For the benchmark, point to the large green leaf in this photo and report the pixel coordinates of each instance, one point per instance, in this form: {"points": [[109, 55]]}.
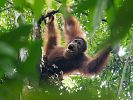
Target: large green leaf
{"points": [[1, 73], [37, 8], [98, 14], [89, 5], [11, 89], [17, 38], [7, 50], [2, 3], [10, 43], [35, 5], [6, 64], [30, 67], [19, 4], [111, 11], [63, 8], [122, 21], [85, 5]]}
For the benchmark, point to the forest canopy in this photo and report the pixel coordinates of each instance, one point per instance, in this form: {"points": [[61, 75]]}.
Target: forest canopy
{"points": [[105, 22]]}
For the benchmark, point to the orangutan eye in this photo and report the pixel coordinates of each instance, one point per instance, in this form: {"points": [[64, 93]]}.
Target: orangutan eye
{"points": [[76, 41]]}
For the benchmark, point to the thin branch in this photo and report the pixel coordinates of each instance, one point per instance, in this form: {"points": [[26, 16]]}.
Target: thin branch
{"points": [[104, 20], [42, 18], [51, 13], [10, 2], [124, 69], [6, 9]]}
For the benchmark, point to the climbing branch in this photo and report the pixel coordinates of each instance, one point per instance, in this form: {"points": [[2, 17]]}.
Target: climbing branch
{"points": [[43, 17]]}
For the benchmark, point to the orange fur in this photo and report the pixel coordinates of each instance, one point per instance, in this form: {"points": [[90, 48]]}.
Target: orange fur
{"points": [[52, 38], [72, 29], [82, 63]]}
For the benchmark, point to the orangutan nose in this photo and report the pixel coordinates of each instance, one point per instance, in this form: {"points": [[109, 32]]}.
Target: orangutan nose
{"points": [[71, 47]]}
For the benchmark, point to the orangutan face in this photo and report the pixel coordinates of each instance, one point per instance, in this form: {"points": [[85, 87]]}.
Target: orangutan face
{"points": [[76, 47]]}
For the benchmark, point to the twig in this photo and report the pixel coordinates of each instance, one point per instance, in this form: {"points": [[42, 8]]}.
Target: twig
{"points": [[10, 2], [6, 9], [104, 20], [124, 69], [42, 18]]}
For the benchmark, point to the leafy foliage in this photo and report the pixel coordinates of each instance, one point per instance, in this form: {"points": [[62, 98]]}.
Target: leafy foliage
{"points": [[104, 22]]}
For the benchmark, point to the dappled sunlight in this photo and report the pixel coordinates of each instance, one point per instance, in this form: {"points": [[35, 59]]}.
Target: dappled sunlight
{"points": [[122, 52]]}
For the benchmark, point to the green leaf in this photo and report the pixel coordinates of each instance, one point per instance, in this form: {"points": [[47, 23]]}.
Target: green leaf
{"points": [[29, 68], [63, 8], [85, 5], [37, 7], [19, 4], [7, 50], [122, 21], [55, 4], [89, 5], [17, 38], [7, 66], [111, 11], [2, 3], [98, 14], [1, 73], [11, 89], [118, 2]]}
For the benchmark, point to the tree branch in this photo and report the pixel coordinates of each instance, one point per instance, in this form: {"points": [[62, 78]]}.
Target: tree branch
{"points": [[10, 2], [6, 9], [42, 18]]}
